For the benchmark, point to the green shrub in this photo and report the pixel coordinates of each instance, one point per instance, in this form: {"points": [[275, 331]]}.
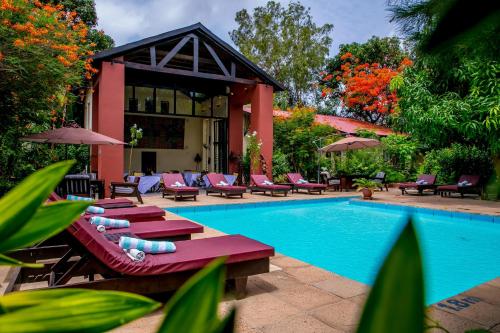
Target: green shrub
{"points": [[449, 163], [280, 166]]}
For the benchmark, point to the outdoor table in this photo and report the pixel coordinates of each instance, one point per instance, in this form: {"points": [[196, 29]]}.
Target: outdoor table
{"points": [[190, 177], [229, 178], [146, 183]]}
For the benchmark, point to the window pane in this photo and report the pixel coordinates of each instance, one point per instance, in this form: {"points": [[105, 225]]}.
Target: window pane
{"points": [[220, 106], [184, 103], [202, 104], [144, 97], [130, 102], [164, 101]]}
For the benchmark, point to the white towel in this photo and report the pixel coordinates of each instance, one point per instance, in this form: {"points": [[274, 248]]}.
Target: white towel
{"points": [[135, 255], [221, 183]]}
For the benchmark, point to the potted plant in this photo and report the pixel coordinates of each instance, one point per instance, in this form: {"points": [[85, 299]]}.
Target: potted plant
{"points": [[366, 187]]}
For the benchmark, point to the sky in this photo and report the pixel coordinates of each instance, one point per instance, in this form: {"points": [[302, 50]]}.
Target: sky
{"points": [[130, 20]]}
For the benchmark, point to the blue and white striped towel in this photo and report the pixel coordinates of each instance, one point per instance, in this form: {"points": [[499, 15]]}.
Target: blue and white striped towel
{"points": [[77, 198], [135, 254], [128, 243], [95, 210], [110, 223]]}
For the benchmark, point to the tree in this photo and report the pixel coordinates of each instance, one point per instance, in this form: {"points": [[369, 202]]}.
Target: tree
{"points": [[43, 54], [384, 51], [363, 88], [287, 44]]}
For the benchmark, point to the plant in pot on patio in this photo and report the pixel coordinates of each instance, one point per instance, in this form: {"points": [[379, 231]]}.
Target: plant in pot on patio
{"points": [[366, 187]]}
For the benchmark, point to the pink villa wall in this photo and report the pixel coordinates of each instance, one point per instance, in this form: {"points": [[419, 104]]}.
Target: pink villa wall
{"points": [[108, 119]]}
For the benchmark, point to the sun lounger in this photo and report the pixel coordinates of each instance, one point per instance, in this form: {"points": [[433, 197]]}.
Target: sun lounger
{"points": [[174, 184], [424, 182], [92, 254], [299, 183], [467, 184], [104, 203], [260, 183], [216, 186], [133, 214]]}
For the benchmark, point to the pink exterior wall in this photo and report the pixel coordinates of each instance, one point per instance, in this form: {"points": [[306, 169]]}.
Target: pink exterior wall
{"points": [[108, 119], [261, 120]]}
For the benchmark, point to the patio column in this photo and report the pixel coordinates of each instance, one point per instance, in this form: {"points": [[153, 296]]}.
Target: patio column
{"points": [[261, 120], [110, 121]]}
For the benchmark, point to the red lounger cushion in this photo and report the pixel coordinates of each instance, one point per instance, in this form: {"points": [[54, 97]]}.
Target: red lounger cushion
{"points": [[453, 188], [295, 177], [160, 228], [134, 214], [169, 179], [258, 181], [190, 255], [114, 203], [430, 179], [216, 178]]}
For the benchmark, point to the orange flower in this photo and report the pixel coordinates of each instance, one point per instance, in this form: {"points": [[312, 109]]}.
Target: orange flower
{"points": [[1, 56], [19, 43]]}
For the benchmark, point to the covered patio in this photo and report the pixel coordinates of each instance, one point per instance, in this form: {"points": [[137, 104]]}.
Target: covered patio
{"points": [[186, 89]]}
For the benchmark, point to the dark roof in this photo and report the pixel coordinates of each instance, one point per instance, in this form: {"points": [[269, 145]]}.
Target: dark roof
{"points": [[199, 29]]}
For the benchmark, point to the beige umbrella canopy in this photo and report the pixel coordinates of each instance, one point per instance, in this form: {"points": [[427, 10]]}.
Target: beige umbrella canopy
{"points": [[350, 143], [72, 135]]}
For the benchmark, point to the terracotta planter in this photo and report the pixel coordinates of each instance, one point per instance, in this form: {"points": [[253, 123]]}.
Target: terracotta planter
{"points": [[367, 193]]}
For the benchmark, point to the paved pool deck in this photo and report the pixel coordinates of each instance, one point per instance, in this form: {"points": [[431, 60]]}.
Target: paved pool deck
{"points": [[297, 297]]}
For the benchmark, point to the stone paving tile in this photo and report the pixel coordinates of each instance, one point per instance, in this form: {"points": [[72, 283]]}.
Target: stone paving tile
{"points": [[287, 262], [301, 323], [342, 287], [449, 321], [360, 299], [305, 297], [277, 280], [494, 282], [481, 312], [486, 293], [343, 315], [264, 309], [309, 274]]}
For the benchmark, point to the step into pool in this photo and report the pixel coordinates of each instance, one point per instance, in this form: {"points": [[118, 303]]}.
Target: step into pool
{"points": [[352, 237]]}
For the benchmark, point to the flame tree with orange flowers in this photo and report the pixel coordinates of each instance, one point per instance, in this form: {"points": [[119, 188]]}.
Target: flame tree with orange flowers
{"points": [[363, 88], [44, 55]]}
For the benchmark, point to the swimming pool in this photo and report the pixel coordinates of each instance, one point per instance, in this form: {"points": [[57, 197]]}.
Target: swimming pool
{"points": [[352, 237]]}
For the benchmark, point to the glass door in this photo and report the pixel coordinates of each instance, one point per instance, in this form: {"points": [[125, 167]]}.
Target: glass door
{"points": [[220, 145]]}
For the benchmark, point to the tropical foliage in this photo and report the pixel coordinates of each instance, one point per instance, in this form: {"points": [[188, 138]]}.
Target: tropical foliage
{"points": [[285, 42]]}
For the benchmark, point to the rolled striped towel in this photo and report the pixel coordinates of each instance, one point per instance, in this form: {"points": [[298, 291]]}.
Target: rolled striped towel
{"points": [[101, 228], [77, 198], [95, 210], [128, 243], [135, 255], [109, 223]]}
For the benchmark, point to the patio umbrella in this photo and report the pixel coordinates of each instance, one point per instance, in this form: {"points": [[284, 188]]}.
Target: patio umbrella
{"points": [[72, 135], [350, 143]]}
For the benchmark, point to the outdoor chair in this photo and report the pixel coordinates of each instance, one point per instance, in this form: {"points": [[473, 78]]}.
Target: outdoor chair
{"points": [[467, 184], [331, 182], [299, 183], [107, 267], [126, 189], [174, 184], [380, 179], [260, 183], [75, 185], [424, 182], [217, 181]]}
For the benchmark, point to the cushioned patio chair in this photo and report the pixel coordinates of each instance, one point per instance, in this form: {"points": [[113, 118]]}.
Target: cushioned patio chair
{"points": [[299, 183], [260, 183], [380, 180], [76, 185], [107, 267], [126, 189], [104, 203], [424, 182], [174, 184], [467, 184], [217, 181]]}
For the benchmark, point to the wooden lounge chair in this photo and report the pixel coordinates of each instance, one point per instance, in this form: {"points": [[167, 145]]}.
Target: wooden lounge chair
{"points": [[170, 187], [104, 203], [126, 189], [380, 180], [424, 182], [107, 267], [299, 183], [260, 183], [216, 186], [76, 185], [467, 184]]}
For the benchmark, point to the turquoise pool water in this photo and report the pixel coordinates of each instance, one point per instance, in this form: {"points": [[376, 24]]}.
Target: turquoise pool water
{"points": [[351, 238]]}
